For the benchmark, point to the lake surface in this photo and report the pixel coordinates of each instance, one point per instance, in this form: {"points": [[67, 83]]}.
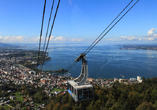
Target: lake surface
{"points": [[105, 61]]}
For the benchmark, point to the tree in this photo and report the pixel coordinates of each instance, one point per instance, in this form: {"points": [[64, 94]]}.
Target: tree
{"points": [[122, 101], [90, 106], [133, 100], [143, 79], [65, 107], [56, 106], [154, 80], [147, 95], [97, 105], [75, 107], [145, 106], [81, 107], [65, 98], [71, 101], [154, 94], [116, 106], [50, 105], [102, 95], [148, 80], [2, 108], [40, 97], [109, 103], [155, 105]]}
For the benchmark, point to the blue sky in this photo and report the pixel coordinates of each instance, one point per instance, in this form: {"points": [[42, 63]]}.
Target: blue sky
{"points": [[78, 21]]}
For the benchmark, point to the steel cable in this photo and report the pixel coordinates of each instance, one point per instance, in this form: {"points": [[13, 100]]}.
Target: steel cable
{"points": [[47, 31], [48, 24], [51, 31], [113, 25], [110, 28], [41, 31]]}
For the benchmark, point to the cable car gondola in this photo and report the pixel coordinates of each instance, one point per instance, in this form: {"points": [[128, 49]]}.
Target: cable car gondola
{"points": [[78, 88]]}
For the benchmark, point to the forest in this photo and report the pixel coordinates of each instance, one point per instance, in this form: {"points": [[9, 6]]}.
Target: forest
{"points": [[142, 96]]}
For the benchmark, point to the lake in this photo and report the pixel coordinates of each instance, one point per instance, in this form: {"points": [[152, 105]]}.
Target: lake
{"points": [[105, 61]]}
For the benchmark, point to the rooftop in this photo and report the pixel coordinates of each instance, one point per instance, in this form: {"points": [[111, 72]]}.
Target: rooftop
{"points": [[76, 86]]}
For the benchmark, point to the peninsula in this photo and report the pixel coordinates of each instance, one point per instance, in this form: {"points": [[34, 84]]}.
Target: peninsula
{"points": [[137, 47]]}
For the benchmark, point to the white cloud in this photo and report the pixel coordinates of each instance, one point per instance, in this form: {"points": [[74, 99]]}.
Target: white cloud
{"points": [[146, 39], [12, 39], [155, 35], [22, 39], [150, 39], [133, 38], [151, 36], [60, 38], [151, 31], [75, 39], [110, 39], [129, 38], [123, 36], [34, 39], [52, 38]]}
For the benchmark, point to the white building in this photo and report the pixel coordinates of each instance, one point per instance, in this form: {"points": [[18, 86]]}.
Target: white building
{"points": [[115, 79], [132, 79], [121, 80], [139, 79], [32, 72], [12, 97]]}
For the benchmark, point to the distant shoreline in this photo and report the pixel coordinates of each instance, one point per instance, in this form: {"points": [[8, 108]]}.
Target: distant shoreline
{"points": [[137, 47]]}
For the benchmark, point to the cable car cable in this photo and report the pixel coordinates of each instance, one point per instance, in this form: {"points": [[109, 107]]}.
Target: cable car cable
{"points": [[71, 65], [51, 30], [113, 25], [47, 31], [48, 25], [108, 26], [41, 31]]}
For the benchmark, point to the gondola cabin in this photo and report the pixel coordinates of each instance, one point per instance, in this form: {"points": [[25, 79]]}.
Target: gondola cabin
{"points": [[78, 88], [80, 92]]}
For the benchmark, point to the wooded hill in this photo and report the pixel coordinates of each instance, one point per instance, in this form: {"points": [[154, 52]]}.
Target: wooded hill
{"points": [[119, 97]]}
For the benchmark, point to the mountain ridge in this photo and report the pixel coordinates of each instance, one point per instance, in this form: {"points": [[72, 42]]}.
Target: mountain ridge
{"points": [[7, 45]]}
